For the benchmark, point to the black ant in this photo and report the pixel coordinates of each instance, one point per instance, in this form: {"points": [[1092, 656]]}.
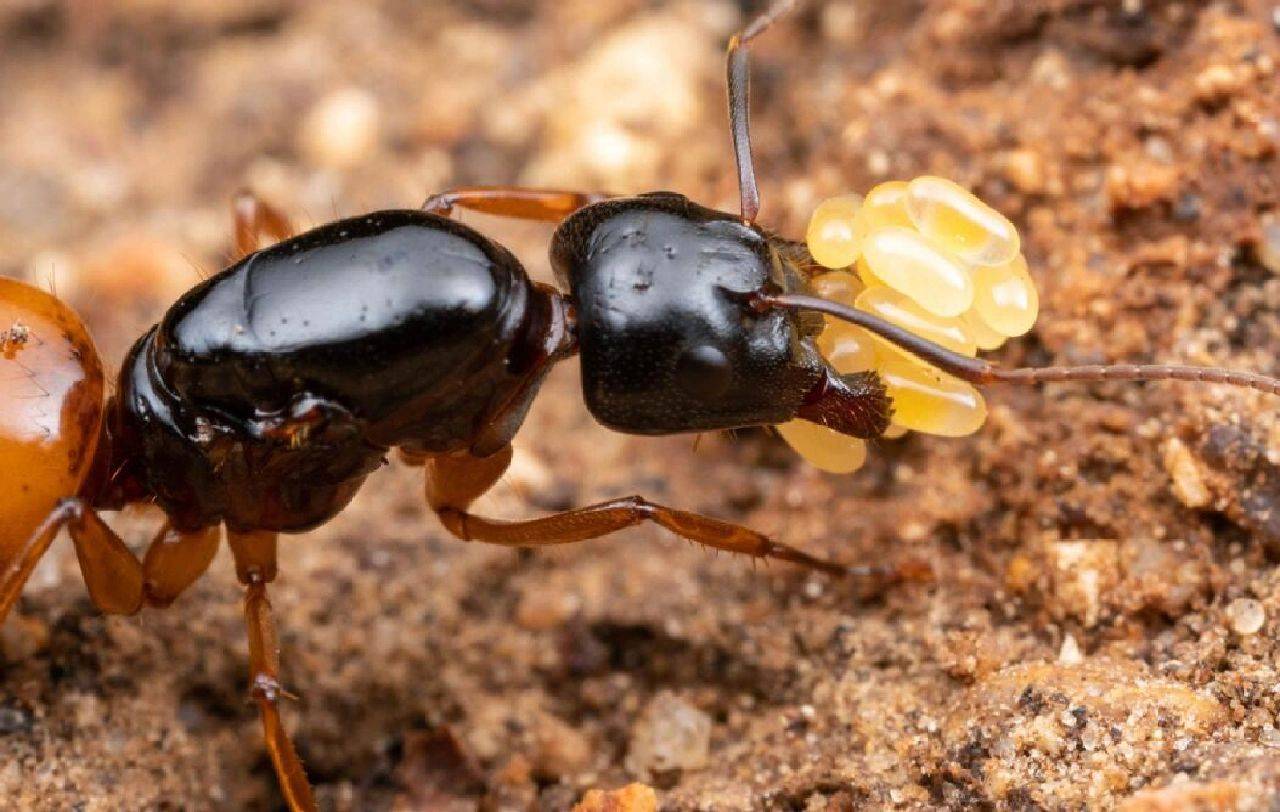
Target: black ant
{"points": [[267, 393]]}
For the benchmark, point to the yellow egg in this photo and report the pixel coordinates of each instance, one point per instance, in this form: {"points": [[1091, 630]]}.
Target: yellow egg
{"points": [[846, 347], [866, 276], [832, 237], [884, 206], [837, 286], [893, 307], [823, 448], [985, 337], [895, 431], [961, 224], [909, 263], [930, 401], [1005, 297]]}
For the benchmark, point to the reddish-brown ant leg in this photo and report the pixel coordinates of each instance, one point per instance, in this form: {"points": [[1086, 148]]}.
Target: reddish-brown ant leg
{"points": [[253, 218], [118, 583], [454, 481], [255, 556], [174, 561], [547, 205]]}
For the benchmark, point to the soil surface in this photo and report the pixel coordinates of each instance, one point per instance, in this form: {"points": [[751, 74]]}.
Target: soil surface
{"points": [[1102, 630]]}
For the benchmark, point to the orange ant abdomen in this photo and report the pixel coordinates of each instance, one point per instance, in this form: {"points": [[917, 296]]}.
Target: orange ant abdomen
{"points": [[51, 407]]}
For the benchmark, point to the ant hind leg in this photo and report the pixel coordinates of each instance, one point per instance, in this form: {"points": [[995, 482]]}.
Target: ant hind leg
{"points": [[118, 583]]}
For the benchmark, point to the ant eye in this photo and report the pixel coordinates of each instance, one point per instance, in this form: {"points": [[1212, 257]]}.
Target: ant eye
{"points": [[704, 372]]}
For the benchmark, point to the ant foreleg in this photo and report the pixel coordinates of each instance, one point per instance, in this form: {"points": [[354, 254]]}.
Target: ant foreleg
{"points": [[545, 205], [455, 480], [253, 218], [255, 557]]}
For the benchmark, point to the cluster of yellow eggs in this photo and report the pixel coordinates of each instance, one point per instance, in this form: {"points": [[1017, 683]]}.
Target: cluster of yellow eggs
{"points": [[931, 258]]}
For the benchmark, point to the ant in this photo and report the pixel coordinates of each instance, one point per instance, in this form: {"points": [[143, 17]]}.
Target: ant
{"points": [[268, 392]]}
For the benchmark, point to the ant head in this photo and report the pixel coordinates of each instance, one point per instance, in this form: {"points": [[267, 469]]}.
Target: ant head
{"points": [[670, 338]]}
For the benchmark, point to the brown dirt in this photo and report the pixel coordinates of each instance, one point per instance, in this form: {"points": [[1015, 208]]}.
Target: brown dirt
{"points": [[1103, 551]]}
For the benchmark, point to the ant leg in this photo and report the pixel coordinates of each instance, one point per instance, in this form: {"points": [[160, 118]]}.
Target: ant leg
{"points": [[254, 217], [547, 205], [118, 583], [454, 481], [739, 75], [255, 556], [175, 559], [19, 571]]}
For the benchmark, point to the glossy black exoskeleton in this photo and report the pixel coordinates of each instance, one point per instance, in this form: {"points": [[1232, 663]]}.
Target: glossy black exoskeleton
{"points": [[669, 340], [267, 393]]}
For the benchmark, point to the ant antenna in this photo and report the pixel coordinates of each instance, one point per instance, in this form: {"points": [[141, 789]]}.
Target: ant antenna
{"points": [[979, 371], [739, 76]]}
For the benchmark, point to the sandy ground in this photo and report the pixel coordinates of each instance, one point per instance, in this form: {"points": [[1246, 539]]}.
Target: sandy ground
{"points": [[1102, 631]]}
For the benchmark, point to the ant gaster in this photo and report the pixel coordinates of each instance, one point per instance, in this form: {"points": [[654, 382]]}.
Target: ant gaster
{"points": [[267, 394]]}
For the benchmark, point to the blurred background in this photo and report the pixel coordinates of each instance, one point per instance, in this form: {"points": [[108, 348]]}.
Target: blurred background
{"points": [[1102, 630]]}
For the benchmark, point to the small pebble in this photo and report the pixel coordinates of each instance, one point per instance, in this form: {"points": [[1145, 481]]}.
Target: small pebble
{"points": [[1269, 243], [1025, 169], [541, 609], [671, 734], [631, 798], [1246, 616], [1070, 654], [559, 749], [1188, 485], [341, 130]]}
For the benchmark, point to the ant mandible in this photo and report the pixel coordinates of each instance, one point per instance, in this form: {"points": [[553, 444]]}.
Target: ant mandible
{"points": [[267, 393]]}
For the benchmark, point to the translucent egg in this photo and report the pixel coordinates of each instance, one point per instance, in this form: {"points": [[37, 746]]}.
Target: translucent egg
{"points": [[985, 337], [930, 401], [866, 276], [1005, 297], [884, 206], [837, 286], [846, 347], [832, 236], [823, 448], [960, 223], [895, 431], [909, 263], [893, 307]]}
